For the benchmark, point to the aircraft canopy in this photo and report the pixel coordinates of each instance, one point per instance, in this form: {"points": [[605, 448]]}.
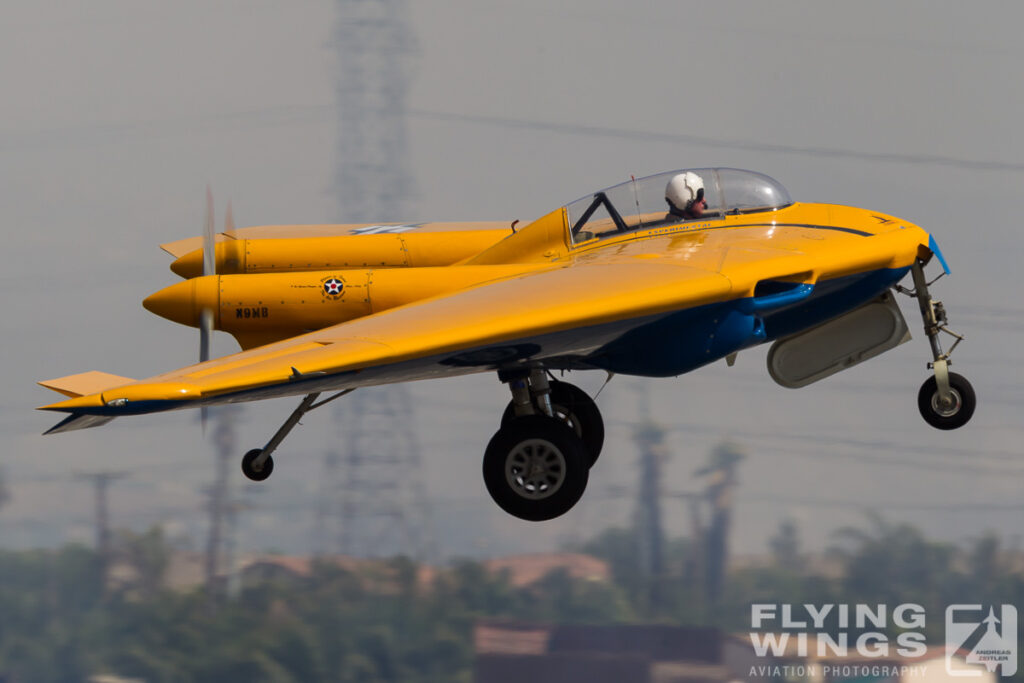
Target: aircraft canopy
{"points": [[640, 204]]}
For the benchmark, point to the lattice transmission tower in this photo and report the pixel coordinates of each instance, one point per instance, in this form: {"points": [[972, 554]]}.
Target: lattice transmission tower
{"points": [[372, 500], [374, 503], [375, 48]]}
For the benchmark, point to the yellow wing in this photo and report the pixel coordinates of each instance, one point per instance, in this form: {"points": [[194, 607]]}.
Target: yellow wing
{"points": [[589, 304]]}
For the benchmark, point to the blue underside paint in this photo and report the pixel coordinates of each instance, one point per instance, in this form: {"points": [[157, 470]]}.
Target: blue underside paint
{"points": [[831, 299], [681, 341], [688, 339]]}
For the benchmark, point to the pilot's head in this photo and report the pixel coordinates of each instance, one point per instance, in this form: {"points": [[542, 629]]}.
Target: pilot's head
{"points": [[685, 195]]}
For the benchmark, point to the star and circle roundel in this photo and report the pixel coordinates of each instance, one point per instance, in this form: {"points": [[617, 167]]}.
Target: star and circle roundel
{"points": [[333, 287]]}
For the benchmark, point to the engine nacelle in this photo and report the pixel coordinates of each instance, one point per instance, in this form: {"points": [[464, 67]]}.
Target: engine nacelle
{"points": [[263, 308], [376, 250]]}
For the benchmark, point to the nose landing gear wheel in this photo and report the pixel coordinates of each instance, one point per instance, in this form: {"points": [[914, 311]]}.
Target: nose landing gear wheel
{"points": [[577, 410], [954, 412], [946, 400], [535, 468], [250, 471]]}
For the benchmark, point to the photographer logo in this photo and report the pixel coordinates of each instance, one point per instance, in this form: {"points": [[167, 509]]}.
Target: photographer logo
{"points": [[989, 640]]}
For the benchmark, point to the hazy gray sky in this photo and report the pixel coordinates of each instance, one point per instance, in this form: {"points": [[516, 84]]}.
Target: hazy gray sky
{"points": [[116, 115]]}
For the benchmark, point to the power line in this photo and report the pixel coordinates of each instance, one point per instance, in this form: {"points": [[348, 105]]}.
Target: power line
{"points": [[726, 143], [867, 450], [117, 133], [953, 507]]}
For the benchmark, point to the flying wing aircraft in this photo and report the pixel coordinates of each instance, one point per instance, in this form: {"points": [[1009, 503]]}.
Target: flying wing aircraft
{"points": [[654, 277]]}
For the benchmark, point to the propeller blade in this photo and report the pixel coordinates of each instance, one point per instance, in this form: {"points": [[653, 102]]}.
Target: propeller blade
{"points": [[205, 334], [209, 250], [206, 315]]}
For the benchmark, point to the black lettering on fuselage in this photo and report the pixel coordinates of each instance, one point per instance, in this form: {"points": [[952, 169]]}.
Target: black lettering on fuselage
{"points": [[252, 312]]}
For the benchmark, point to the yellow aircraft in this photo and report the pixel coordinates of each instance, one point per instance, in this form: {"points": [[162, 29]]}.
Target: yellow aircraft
{"points": [[655, 277]]}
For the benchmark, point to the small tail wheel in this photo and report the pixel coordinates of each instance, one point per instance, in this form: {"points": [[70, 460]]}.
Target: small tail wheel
{"points": [[577, 410], [952, 413], [535, 468], [250, 471]]}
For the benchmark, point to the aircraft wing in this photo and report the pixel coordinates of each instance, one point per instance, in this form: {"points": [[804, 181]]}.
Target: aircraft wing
{"points": [[459, 333], [555, 310]]}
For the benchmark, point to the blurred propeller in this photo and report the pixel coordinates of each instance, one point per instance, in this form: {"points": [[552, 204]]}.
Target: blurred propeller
{"points": [[209, 252], [209, 268], [206, 315]]}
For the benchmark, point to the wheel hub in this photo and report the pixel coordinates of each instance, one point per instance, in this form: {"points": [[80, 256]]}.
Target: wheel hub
{"points": [[948, 407], [565, 415], [535, 469]]}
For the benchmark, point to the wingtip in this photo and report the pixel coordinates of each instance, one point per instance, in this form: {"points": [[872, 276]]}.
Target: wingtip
{"points": [[75, 404], [139, 394], [78, 421]]}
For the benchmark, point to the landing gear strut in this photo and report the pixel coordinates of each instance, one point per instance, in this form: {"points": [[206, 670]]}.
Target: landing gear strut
{"points": [[257, 464], [576, 409], [537, 465], [946, 400]]}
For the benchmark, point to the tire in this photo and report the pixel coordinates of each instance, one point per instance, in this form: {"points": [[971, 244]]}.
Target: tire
{"points": [[535, 468], [576, 409], [265, 471], [954, 416]]}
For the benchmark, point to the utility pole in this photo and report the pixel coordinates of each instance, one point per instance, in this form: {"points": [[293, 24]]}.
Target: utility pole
{"points": [[649, 438], [694, 568], [219, 495], [5, 494], [232, 509], [101, 482], [650, 441], [720, 473]]}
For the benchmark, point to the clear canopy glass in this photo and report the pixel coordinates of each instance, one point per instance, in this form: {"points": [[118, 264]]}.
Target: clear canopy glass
{"points": [[641, 204]]}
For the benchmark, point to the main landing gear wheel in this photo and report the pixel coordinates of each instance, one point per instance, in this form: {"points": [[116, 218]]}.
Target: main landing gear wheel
{"points": [[535, 468], [250, 471], [952, 413], [577, 410]]}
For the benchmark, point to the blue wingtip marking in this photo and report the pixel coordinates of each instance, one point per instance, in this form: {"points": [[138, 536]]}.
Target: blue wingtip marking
{"points": [[934, 246]]}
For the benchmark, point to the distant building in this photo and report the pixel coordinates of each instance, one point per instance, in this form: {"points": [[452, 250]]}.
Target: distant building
{"points": [[508, 652]]}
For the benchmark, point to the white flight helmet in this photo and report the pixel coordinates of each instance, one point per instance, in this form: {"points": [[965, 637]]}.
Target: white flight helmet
{"points": [[682, 190]]}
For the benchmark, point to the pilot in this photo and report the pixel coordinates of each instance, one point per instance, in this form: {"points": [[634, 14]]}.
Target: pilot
{"points": [[685, 195]]}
